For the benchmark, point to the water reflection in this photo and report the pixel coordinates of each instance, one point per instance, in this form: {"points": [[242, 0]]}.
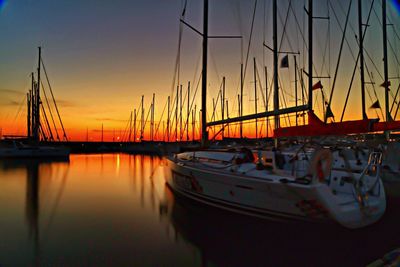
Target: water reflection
{"points": [[100, 210], [115, 210], [32, 205], [226, 239], [38, 171]]}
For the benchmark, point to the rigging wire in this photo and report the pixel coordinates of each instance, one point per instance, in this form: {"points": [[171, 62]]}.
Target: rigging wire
{"points": [[54, 100], [51, 113], [249, 43], [176, 78]]}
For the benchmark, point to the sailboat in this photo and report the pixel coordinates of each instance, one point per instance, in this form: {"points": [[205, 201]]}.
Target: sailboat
{"points": [[31, 148], [307, 181]]}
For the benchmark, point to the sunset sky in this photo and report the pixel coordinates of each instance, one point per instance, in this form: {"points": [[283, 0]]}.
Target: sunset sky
{"points": [[101, 56]]}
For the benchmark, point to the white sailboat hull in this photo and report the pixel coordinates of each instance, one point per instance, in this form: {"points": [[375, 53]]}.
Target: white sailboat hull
{"points": [[257, 194]]}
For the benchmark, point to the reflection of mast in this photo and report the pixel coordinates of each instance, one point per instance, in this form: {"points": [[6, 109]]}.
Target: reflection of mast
{"points": [[142, 180], [152, 170], [32, 206]]}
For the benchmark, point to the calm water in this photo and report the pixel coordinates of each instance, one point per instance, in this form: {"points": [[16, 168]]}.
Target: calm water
{"points": [[115, 210]]}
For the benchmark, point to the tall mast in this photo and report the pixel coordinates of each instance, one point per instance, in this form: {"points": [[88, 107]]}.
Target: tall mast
{"points": [[130, 128], [163, 130], [204, 134], [275, 48], [176, 113], [37, 101], [28, 117], [385, 61], [188, 112], [241, 100], [214, 111], [193, 121], [168, 113], [227, 115], [30, 106], [134, 125], [152, 118], [295, 84], [33, 108], [361, 46], [255, 93], [102, 133], [266, 98], [142, 121], [310, 54], [223, 105], [239, 115], [180, 115]]}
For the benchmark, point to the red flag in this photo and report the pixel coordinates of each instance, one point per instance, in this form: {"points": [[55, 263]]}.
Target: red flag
{"points": [[318, 85]]}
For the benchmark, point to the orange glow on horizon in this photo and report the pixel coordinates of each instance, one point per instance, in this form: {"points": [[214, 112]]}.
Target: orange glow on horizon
{"points": [[118, 132]]}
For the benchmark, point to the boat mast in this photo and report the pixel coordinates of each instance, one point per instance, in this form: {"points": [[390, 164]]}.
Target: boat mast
{"points": [[204, 134], [223, 106], [28, 117], [102, 132], [255, 93], [266, 98], [176, 113], [130, 128], [275, 51], [188, 112], [227, 115], [241, 100], [385, 61], [213, 116], [168, 113], [142, 121], [361, 46], [134, 125], [37, 101], [33, 104], [193, 123], [310, 55], [239, 115], [30, 106], [152, 118], [180, 114], [295, 85]]}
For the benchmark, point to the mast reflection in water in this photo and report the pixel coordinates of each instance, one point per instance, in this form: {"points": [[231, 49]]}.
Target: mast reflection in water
{"points": [[115, 210]]}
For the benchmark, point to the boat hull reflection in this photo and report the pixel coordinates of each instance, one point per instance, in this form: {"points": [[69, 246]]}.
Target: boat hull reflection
{"points": [[229, 239]]}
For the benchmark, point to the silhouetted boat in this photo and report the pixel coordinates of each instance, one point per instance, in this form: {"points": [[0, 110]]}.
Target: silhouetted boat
{"points": [[16, 149], [36, 130]]}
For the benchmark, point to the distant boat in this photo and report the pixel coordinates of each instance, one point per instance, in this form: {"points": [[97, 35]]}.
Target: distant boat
{"points": [[19, 150]]}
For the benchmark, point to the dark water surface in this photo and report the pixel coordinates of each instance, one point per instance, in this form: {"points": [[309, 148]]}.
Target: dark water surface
{"points": [[115, 210]]}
